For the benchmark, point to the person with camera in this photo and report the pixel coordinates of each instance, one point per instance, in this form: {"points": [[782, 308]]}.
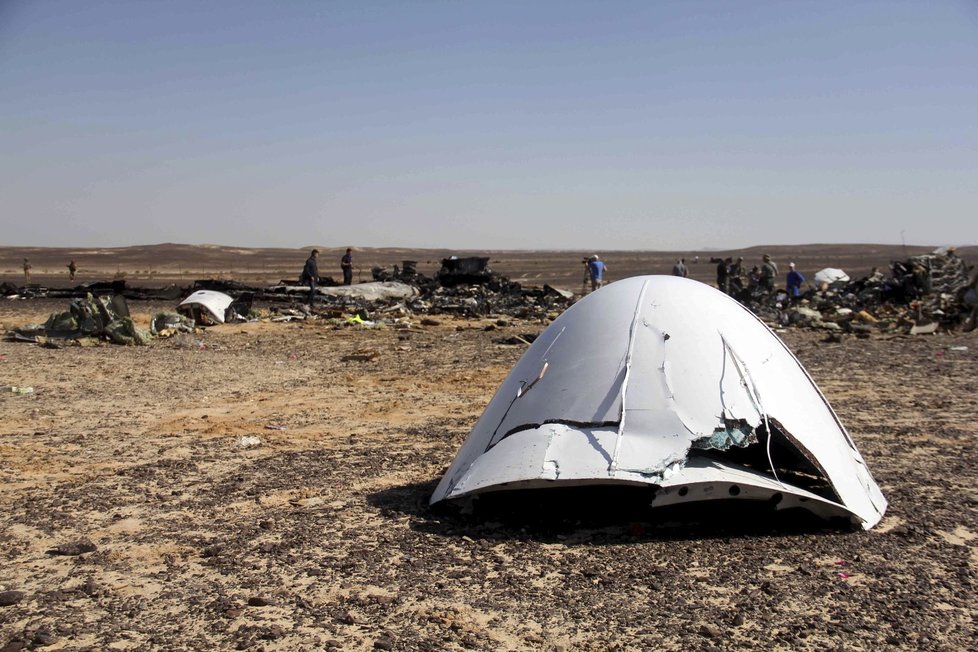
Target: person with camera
{"points": [[595, 271]]}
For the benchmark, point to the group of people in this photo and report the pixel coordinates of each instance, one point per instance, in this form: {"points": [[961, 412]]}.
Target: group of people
{"points": [[27, 271], [731, 278], [310, 271], [730, 275], [72, 268]]}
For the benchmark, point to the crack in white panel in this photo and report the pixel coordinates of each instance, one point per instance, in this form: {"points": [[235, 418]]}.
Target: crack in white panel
{"points": [[628, 369]]}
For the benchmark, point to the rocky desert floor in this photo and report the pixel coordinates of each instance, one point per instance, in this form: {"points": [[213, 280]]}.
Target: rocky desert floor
{"points": [[135, 516]]}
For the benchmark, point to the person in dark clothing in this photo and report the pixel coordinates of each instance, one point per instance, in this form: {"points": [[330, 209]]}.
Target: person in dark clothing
{"points": [[723, 274], [310, 275], [769, 274], [346, 263], [969, 299], [72, 268], [735, 277]]}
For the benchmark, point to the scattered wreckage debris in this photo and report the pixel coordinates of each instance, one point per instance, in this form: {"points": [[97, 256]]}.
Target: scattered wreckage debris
{"points": [[464, 287], [166, 324], [666, 382], [923, 290], [406, 273], [106, 317], [95, 288], [472, 270], [468, 287], [86, 321], [923, 295]]}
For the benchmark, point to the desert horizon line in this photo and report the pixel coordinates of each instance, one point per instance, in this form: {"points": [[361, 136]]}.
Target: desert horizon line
{"points": [[306, 247]]}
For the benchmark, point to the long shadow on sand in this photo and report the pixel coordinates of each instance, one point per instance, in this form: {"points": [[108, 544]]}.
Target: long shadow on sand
{"points": [[593, 515]]}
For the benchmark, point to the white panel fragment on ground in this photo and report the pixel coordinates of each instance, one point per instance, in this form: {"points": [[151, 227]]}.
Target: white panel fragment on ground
{"points": [[831, 275], [214, 303], [665, 381], [373, 291]]}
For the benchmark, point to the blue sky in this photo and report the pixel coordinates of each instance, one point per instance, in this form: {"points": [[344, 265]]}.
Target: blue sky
{"points": [[488, 125]]}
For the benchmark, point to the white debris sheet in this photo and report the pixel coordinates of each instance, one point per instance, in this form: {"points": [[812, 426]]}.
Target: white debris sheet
{"points": [[666, 381], [214, 303]]}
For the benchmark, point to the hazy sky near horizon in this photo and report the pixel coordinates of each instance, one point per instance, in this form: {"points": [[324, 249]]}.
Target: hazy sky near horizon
{"points": [[665, 125]]}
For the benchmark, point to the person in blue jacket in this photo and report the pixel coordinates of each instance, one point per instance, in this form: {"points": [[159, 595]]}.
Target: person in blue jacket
{"points": [[596, 269], [794, 281]]}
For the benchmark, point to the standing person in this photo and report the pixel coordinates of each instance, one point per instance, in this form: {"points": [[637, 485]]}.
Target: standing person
{"points": [[723, 274], [769, 272], [969, 299], [793, 282], [72, 268], [596, 269], [27, 272], [679, 269], [346, 263], [310, 275], [735, 276]]}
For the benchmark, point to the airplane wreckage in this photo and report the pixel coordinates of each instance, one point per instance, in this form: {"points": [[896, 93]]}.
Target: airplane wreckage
{"points": [[664, 381]]}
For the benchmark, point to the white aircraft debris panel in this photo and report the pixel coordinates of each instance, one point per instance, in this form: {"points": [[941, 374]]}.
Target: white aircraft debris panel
{"points": [[214, 303], [831, 275], [665, 381]]}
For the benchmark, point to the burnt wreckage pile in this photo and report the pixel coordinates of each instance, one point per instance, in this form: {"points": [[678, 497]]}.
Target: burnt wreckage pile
{"points": [[468, 287], [922, 294], [463, 286]]}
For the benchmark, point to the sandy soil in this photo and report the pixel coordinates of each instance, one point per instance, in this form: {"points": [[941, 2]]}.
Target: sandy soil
{"points": [[320, 537]]}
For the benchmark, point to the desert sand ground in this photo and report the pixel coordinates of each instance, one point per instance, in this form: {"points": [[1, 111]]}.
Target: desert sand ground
{"points": [[321, 537]]}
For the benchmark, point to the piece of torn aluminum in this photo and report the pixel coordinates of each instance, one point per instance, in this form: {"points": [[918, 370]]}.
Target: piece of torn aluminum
{"points": [[373, 291], [831, 275], [213, 302], [666, 381]]}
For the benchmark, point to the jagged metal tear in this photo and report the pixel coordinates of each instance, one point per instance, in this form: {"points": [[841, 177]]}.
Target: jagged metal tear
{"points": [[641, 375]]}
